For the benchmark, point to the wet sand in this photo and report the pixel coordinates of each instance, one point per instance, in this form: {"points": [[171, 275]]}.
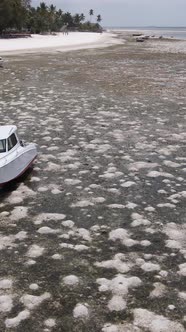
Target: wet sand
{"points": [[93, 238]]}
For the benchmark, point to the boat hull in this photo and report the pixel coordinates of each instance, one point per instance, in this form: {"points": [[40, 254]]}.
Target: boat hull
{"points": [[17, 166]]}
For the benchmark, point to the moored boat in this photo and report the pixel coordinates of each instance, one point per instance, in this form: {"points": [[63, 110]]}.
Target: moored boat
{"points": [[15, 157]]}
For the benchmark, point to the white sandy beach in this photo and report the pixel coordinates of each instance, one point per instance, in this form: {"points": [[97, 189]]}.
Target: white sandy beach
{"points": [[42, 43]]}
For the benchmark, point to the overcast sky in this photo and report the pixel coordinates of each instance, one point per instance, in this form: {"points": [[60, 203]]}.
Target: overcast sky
{"points": [[127, 12]]}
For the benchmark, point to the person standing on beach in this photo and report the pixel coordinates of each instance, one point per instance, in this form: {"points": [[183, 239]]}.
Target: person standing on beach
{"points": [[65, 29]]}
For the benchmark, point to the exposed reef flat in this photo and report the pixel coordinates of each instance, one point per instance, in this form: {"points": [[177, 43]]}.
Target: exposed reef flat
{"points": [[93, 239]]}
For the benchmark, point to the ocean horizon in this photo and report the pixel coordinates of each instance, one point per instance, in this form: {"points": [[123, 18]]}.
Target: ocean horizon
{"points": [[175, 32]]}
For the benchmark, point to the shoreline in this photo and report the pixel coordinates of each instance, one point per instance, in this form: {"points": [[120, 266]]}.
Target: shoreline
{"points": [[165, 33], [84, 40]]}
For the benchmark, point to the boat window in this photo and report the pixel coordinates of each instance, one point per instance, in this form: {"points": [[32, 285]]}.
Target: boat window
{"points": [[12, 141], [2, 145]]}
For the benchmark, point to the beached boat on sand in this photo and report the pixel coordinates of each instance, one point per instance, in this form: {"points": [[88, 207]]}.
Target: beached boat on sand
{"points": [[15, 157]]}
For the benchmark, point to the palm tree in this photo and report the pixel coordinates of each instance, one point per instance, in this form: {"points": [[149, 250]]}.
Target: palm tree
{"points": [[59, 13], [91, 13], [99, 19], [52, 16], [5, 15], [58, 20], [18, 13], [52, 9], [42, 18], [77, 19], [31, 19], [67, 19], [82, 17], [43, 6]]}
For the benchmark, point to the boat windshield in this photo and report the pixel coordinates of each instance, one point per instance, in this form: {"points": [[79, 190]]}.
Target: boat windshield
{"points": [[2, 145]]}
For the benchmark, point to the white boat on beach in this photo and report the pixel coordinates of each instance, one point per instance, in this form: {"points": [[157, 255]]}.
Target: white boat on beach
{"points": [[15, 157]]}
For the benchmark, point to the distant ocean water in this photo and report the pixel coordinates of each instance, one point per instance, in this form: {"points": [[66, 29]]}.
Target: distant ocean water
{"points": [[175, 32]]}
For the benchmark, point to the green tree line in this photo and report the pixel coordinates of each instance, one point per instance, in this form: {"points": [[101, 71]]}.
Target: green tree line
{"points": [[19, 15]]}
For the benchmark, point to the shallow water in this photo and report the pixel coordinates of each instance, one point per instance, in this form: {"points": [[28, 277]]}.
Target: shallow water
{"points": [[105, 201], [170, 32]]}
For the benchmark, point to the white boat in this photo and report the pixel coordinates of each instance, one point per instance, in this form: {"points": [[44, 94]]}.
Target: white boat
{"points": [[15, 157]]}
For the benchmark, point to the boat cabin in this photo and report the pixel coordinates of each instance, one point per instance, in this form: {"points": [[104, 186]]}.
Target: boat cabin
{"points": [[8, 138]]}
